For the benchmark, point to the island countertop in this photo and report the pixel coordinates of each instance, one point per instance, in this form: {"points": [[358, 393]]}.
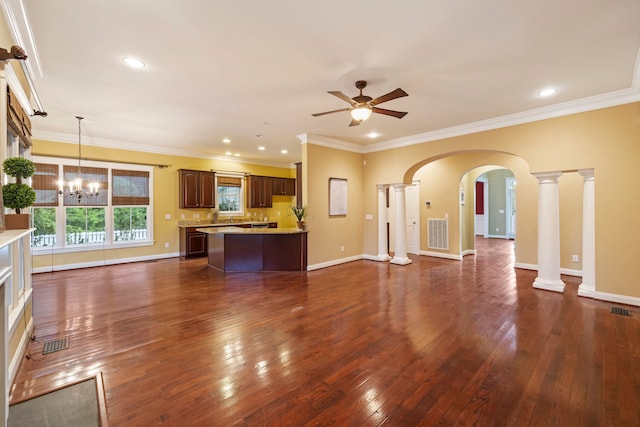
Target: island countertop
{"points": [[237, 230], [256, 249]]}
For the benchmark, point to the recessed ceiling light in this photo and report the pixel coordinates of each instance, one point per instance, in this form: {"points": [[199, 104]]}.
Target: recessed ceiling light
{"points": [[133, 62], [262, 148], [373, 134], [544, 93], [237, 154], [228, 153], [284, 151], [226, 140]]}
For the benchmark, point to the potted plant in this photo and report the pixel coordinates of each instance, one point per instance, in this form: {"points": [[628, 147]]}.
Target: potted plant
{"points": [[17, 195], [299, 213]]}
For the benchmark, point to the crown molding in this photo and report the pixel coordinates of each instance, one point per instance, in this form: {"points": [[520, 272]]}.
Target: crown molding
{"points": [[326, 141], [146, 148], [596, 102]]}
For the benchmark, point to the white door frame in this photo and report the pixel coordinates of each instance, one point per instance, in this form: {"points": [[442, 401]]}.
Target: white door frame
{"points": [[412, 201]]}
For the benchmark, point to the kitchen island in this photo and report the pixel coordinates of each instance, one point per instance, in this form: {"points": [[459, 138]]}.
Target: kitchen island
{"points": [[256, 249]]}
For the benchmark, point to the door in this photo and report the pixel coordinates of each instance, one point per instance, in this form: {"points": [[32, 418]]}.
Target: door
{"points": [[412, 199], [511, 207]]}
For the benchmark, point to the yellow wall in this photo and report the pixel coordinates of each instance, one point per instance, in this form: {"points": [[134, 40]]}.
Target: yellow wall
{"points": [[328, 234], [165, 200], [607, 140]]}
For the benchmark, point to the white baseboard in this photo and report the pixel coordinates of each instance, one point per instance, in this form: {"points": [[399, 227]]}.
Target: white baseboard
{"points": [[340, 261], [468, 252], [622, 299], [496, 236], [441, 255], [62, 267], [534, 267]]}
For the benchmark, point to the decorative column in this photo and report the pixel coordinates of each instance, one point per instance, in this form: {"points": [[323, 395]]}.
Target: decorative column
{"points": [[383, 252], [548, 233], [588, 286], [400, 226]]}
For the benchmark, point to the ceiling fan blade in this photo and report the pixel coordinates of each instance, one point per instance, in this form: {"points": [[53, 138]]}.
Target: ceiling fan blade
{"points": [[329, 112], [398, 114], [342, 96], [398, 93], [355, 122]]}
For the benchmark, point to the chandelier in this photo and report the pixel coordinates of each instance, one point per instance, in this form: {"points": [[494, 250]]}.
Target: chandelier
{"points": [[74, 188]]}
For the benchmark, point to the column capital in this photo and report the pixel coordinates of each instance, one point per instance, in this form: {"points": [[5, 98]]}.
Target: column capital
{"points": [[547, 176], [587, 174], [382, 187], [399, 187]]}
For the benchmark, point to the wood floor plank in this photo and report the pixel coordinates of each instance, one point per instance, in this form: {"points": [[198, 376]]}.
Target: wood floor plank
{"points": [[435, 342]]}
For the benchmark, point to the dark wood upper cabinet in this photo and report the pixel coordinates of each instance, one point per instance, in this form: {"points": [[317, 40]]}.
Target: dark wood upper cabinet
{"points": [[284, 186], [259, 191], [197, 189]]}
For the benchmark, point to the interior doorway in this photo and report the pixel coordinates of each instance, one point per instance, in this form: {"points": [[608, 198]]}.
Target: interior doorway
{"points": [[511, 207]]}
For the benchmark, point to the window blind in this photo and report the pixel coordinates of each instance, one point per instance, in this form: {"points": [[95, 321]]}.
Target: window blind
{"points": [[87, 174], [129, 187], [44, 182]]}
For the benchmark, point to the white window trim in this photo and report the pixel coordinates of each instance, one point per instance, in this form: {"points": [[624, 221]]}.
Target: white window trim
{"points": [[242, 193], [61, 246]]}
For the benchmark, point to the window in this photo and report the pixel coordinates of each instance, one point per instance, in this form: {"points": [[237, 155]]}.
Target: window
{"points": [[230, 191], [120, 215], [130, 200]]}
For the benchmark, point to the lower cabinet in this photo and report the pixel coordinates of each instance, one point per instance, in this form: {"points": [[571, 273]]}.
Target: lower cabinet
{"points": [[192, 243]]}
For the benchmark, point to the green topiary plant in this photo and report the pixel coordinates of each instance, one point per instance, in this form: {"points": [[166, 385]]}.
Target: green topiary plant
{"points": [[17, 195]]}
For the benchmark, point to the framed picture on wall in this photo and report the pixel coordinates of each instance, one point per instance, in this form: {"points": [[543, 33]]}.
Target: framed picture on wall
{"points": [[337, 197]]}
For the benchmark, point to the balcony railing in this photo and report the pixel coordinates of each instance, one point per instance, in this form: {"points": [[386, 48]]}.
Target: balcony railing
{"points": [[88, 237]]}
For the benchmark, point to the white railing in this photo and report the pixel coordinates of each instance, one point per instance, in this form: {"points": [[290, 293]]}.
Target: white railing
{"points": [[88, 237]]}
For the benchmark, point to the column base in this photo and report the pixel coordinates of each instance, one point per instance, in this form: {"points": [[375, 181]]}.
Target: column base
{"points": [[383, 257], [586, 291], [400, 261], [549, 285]]}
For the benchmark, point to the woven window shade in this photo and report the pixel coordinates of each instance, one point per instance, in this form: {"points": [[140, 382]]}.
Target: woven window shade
{"points": [[88, 174], [229, 181], [44, 182], [129, 187]]}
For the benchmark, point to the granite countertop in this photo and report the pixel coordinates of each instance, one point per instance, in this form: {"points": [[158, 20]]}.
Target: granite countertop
{"points": [[237, 230], [220, 223]]}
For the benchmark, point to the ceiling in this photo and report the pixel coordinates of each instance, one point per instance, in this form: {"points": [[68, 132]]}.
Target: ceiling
{"points": [[254, 72]]}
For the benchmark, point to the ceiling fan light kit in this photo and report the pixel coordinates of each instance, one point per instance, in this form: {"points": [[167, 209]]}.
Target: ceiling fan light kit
{"points": [[362, 105], [361, 113]]}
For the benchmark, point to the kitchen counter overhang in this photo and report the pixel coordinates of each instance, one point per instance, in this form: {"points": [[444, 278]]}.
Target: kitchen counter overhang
{"points": [[256, 249]]}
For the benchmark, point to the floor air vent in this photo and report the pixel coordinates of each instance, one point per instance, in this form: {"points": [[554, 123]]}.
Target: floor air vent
{"points": [[621, 311], [55, 345]]}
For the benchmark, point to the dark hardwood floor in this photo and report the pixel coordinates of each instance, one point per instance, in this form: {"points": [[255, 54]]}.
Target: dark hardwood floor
{"points": [[436, 342]]}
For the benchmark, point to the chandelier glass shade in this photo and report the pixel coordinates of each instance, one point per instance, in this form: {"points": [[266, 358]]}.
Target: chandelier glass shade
{"points": [[361, 113], [75, 187]]}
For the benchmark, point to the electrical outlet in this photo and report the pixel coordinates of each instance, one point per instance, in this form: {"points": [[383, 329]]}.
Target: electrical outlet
{"points": [[183, 216], [167, 216], [497, 229], [166, 244], [341, 248], [196, 215], [575, 258]]}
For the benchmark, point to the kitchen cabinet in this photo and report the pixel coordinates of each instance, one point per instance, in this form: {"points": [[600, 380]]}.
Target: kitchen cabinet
{"points": [[192, 243], [283, 186], [196, 189], [259, 191]]}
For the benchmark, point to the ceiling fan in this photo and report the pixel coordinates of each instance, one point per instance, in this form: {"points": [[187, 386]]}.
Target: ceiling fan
{"points": [[362, 105]]}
